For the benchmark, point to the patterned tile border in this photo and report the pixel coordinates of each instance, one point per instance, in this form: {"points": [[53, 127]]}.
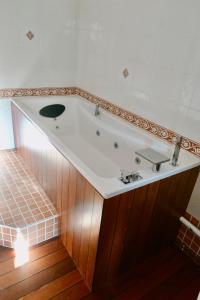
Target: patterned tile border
{"points": [[5, 93], [187, 241], [152, 128]]}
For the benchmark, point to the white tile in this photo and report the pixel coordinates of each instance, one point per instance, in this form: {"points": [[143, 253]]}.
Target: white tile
{"points": [[155, 40], [49, 58], [195, 102]]}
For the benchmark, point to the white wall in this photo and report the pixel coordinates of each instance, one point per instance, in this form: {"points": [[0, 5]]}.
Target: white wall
{"points": [[49, 59], [6, 128], [159, 42]]}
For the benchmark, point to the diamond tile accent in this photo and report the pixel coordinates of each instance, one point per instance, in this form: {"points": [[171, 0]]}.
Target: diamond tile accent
{"points": [[30, 35], [23, 203], [126, 73]]}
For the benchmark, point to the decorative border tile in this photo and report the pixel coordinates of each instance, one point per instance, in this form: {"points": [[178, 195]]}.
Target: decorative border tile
{"points": [[152, 128], [5, 93]]}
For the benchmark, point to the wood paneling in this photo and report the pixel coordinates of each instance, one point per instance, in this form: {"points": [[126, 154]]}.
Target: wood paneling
{"points": [[78, 203], [80, 221], [137, 225]]}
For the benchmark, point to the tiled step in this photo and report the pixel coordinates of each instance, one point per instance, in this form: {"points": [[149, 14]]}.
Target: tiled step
{"points": [[23, 204]]}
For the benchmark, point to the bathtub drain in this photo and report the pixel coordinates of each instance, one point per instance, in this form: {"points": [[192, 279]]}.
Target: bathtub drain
{"points": [[116, 145], [98, 133]]}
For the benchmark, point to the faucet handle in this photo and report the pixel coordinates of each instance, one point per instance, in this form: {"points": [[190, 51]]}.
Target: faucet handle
{"points": [[177, 149], [124, 175], [128, 177], [178, 139]]}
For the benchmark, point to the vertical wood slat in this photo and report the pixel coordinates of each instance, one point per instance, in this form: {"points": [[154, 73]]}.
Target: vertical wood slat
{"points": [[94, 237], [78, 203], [64, 202], [139, 226], [78, 215], [71, 203], [86, 225]]}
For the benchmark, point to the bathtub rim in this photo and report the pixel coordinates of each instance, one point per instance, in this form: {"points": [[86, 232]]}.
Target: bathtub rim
{"points": [[107, 187]]}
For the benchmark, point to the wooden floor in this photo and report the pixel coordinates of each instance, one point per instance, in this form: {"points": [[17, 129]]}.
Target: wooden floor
{"points": [[169, 276], [51, 274]]}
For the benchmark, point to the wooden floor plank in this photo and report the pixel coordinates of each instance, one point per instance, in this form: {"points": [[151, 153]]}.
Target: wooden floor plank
{"points": [[169, 288], [6, 253], [38, 280], [190, 291], [159, 274], [144, 269], [51, 274], [76, 292], [32, 268], [34, 254], [92, 296], [55, 287]]}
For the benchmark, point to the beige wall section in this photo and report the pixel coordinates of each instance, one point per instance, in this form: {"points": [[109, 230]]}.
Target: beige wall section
{"points": [[194, 205]]}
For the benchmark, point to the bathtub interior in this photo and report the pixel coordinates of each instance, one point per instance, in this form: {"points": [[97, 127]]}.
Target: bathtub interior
{"points": [[104, 143]]}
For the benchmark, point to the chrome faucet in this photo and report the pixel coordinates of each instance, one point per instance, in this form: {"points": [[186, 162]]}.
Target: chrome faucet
{"points": [[97, 110], [128, 177], [176, 151]]}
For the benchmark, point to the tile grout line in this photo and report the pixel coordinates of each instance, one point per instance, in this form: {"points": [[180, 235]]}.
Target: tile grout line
{"points": [[32, 198]]}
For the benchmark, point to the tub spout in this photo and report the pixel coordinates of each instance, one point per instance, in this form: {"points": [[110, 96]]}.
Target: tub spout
{"points": [[97, 110], [176, 151]]}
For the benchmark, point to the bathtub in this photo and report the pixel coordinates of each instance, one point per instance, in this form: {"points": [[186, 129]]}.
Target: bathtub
{"points": [[99, 147]]}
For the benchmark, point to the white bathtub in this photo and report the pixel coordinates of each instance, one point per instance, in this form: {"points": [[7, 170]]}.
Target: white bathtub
{"points": [[74, 134]]}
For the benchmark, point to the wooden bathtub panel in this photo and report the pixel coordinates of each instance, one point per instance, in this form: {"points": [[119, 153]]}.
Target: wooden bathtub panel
{"points": [[94, 237], [137, 226], [80, 222], [80, 206]]}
